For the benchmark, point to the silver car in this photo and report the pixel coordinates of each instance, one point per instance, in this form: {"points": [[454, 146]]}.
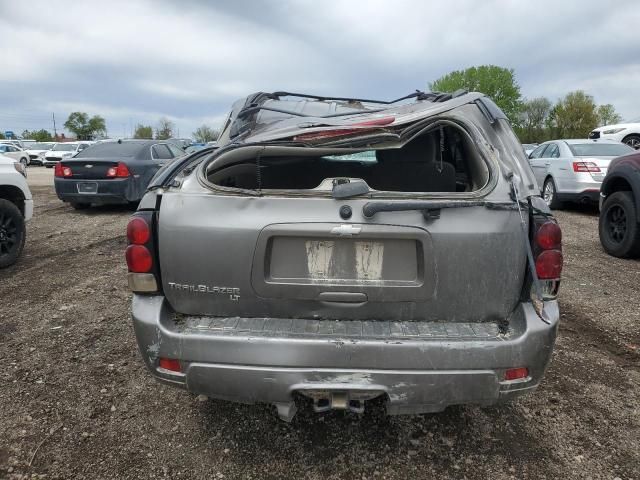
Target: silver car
{"points": [[346, 249], [573, 170]]}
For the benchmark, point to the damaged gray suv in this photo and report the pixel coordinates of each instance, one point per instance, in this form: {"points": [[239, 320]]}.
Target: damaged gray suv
{"points": [[347, 249]]}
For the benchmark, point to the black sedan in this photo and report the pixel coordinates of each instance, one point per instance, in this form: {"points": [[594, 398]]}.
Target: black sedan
{"points": [[112, 172]]}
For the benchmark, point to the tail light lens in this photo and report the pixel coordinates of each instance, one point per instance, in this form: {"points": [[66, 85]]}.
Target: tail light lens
{"points": [[549, 265], [171, 364], [586, 167], [549, 236], [138, 231], [516, 373], [62, 171], [547, 253], [119, 171], [141, 261]]}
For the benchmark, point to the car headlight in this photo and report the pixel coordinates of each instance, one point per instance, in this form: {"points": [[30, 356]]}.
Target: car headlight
{"points": [[613, 131], [20, 168]]}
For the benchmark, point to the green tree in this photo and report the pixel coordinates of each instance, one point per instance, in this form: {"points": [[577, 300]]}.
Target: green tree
{"points": [[607, 115], [143, 131], [83, 127], [496, 82], [2, 137], [574, 116], [205, 134], [533, 116], [41, 135], [164, 129]]}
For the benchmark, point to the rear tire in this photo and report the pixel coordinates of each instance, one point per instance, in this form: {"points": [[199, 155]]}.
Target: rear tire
{"points": [[618, 226], [550, 194], [24, 161], [80, 206], [12, 233], [632, 140]]}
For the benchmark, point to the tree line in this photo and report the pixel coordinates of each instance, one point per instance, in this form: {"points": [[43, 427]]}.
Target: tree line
{"points": [[85, 127], [534, 120]]}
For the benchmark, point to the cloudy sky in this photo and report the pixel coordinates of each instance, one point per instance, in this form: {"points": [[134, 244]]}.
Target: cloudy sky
{"points": [[135, 61]]}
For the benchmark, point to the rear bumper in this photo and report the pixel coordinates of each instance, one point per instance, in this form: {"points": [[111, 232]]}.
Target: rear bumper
{"points": [[418, 366], [586, 196], [112, 191]]}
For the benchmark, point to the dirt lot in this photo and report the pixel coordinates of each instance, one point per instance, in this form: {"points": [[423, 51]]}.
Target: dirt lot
{"points": [[76, 401]]}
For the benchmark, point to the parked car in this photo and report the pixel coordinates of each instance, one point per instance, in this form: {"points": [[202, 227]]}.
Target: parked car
{"points": [[12, 151], [36, 150], [63, 150], [16, 208], [619, 224], [573, 170], [369, 249], [628, 133], [111, 172]]}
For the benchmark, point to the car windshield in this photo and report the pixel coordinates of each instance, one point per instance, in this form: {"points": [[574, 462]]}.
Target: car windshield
{"points": [[38, 146], [599, 149], [112, 149], [64, 147]]}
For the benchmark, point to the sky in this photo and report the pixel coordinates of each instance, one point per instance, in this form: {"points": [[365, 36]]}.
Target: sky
{"points": [[136, 61]]}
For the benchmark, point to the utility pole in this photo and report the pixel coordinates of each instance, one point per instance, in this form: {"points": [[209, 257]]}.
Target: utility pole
{"points": [[55, 132]]}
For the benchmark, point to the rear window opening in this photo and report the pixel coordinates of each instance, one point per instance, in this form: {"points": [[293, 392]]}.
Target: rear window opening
{"points": [[442, 160]]}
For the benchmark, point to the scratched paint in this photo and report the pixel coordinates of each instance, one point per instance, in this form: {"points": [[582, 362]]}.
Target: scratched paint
{"points": [[369, 257], [319, 257]]}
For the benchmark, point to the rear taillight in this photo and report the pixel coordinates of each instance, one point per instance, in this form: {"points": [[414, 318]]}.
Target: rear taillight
{"points": [[143, 273], [549, 265], [139, 259], [62, 170], [138, 231], [346, 130], [119, 171], [547, 254], [585, 167]]}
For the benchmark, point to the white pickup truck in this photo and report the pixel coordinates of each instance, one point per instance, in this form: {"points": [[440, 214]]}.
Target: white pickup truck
{"points": [[16, 208]]}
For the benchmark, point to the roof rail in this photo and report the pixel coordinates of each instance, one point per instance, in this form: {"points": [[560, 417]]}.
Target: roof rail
{"points": [[419, 95]]}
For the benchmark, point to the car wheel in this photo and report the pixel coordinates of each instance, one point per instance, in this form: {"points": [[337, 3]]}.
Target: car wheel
{"points": [[24, 161], [550, 194], [80, 206], [618, 226], [632, 141], [12, 233]]}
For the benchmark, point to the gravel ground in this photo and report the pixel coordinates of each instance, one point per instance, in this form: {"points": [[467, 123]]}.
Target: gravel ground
{"points": [[76, 401]]}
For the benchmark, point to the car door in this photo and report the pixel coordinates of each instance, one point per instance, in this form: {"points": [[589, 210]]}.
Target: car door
{"points": [[537, 163], [550, 158]]}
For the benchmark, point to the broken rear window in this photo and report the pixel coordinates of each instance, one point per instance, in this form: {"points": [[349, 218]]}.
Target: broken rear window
{"points": [[425, 164]]}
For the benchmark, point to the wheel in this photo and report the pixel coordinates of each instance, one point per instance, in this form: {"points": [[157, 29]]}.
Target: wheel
{"points": [[632, 140], [550, 194], [12, 233], [618, 226], [80, 206], [24, 161]]}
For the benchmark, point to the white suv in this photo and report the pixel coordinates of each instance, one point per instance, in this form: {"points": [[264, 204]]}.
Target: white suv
{"points": [[16, 208]]}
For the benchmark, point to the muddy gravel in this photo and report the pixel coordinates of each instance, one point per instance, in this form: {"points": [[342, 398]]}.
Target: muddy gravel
{"points": [[76, 401]]}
